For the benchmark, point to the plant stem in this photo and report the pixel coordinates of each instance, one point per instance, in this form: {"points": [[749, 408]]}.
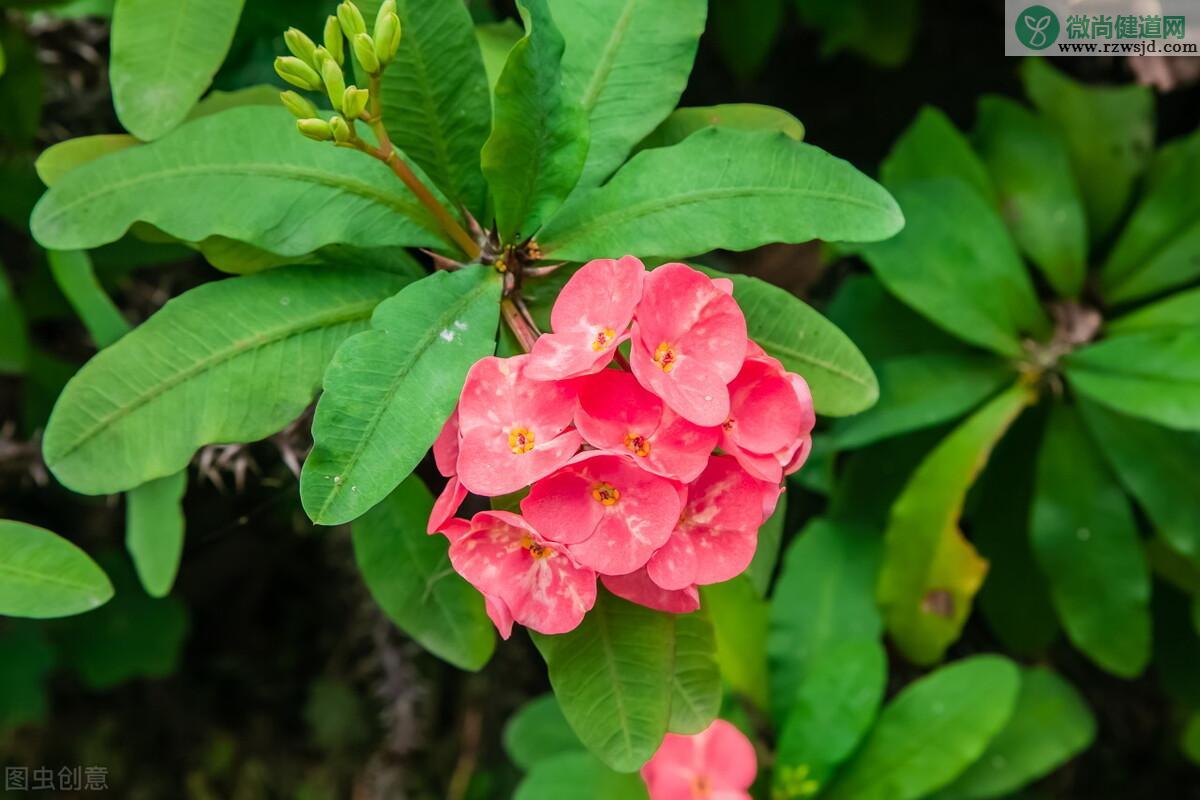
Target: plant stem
{"points": [[525, 332], [621, 361]]}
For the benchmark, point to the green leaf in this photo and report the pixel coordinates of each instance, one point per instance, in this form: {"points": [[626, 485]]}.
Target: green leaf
{"points": [[613, 46], [881, 31], [1109, 133], [930, 571], [881, 326], [245, 174], [933, 730], [43, 575], [739, 618], [824, 595], [1154, 376], [75, 276], [154, 526], [612, 678], [870, 479], [743, 38], [770, 540], [1177, 312], [1038, 197], [496, 40], [683, 122], [57, 160], [920, 391], [579, 776], [1049, 725], [410, 577], [835, 704], [217, 101], [1160, 246], [721, 189], [164, 56], [931, 147], [538, 732], [229, 361], [806, 343], [539, 139], [1086, 542], [389, 390], [26, 660], [14, 339], [435, 96], [955, 264], [1158, 467], [696, 680]]}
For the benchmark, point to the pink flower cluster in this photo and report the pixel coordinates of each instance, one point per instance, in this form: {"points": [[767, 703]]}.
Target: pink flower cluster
{"points": [[651, 474]]}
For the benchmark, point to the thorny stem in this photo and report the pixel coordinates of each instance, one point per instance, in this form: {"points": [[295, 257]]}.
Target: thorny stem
{"points": [[519, 323]]}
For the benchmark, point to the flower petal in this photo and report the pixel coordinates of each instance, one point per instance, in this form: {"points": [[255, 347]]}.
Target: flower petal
{"points": [[446, 505], [636, 587]]}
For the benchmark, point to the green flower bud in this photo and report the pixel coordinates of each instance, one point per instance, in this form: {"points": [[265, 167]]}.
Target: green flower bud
{"points": [[301, 107], [385, 8], [297, 73], [354, 102], [334, 42], [335, 82], [316, 129], [351, 19], [364, 51], [300, 45], [387, 38], [342, 132]]}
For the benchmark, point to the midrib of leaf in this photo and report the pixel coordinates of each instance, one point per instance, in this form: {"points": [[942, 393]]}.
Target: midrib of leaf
{"points": [[431, 581], [449, 315], [828, 366], [352, 313], [607, 58], [675, 678], [611, 667], [36, 577]]}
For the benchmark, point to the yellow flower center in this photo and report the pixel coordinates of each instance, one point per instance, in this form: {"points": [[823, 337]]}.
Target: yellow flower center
{"points": [[604, 337], [605, 494], [665, 357], [701, 788], [520, 440], [538, 551], [639, 445]]}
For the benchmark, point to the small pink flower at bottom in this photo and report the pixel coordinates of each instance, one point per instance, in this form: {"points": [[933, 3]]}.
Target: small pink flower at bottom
{"points": [[589, 319], [537, 580], [617, 415], [610, 514], [688, 343], [636, 587], [717, 532], [718, 763], [513, 429]]}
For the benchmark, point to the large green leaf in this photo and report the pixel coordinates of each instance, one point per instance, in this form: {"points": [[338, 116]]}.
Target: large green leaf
{"points": [[164, 56], [43, 575], [739, 619], [824, 596], [539, 139], [696, 680], [229, 361], [881, 326], [14, 339], [721, 189], [955, 263], [435, 95], [580, 776], [495, 40], [538, 731], [244, 174], [931, 147], [919, 391], [1109, 133], [930, 572], [1179, 311], [1049, 725], [389, 390], [57, 160], [1154, 376], [1086, 542], [409, 575], [154, 526], [1036, 190], [75, 276], [1160, 247], [932, 731], [683, 122], [612, 678], [626, 63]]}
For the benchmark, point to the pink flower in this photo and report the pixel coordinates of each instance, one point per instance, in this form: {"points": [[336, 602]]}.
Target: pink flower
{"points": [[612, 515], [718, 763], [513, 429], [636, 587], [522, 574], [617, 415], [589, 319], [765, 419], [717, 532], [498, 613], [689, 341]]}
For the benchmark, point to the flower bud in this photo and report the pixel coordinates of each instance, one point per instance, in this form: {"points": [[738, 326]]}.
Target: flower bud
{"points": [[354, 102], [385, 8], [316, 129], [351, 19], [297, 73], [334, 42], [364, 51], [301, 107], [342, 132], [387, 38], [335, 82], [300, 45]]}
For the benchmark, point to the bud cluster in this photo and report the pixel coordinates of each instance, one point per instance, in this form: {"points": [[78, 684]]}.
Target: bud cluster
{"points": [[650, 473]]}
